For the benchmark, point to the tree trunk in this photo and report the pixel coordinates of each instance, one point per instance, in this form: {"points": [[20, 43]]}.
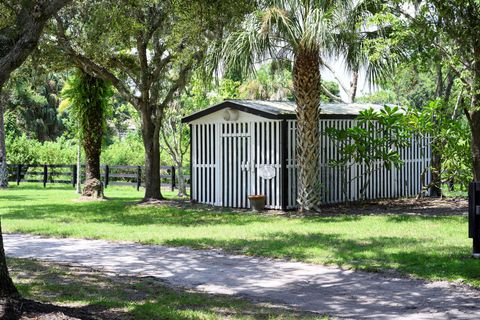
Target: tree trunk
{"points": [[151, 142], [449, 86], [182, 187], [439, 81], [354, 86], [474, 121], [7, 288], [436, 171], [92, 145], [3, 150], [436, 164], [92, 164], [474, 117], [93, 185], [79, 169], [307, 86]]}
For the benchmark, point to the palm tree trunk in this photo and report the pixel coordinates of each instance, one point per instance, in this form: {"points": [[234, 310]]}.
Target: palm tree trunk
{"points": [[93, 185], [92, 144], [92, 159], [307, 86]]}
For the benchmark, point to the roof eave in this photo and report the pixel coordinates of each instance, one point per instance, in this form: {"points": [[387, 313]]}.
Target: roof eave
{"points": [[261, 113], [239, 107]]}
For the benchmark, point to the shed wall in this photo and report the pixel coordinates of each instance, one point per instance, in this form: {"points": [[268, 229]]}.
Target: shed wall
{"points": [[343, 184], [227, 157]]}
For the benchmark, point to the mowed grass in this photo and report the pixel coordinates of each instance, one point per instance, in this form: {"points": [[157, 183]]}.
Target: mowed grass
{"points": [[115, 297], [435, 248]]}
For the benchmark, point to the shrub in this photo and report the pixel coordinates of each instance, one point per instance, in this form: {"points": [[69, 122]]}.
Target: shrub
{"points": [[61, 151], [21, 149], [30, 151], [129, 151]]}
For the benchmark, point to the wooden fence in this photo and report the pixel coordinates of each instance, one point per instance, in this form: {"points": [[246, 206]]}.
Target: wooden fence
{"points": [[110, 175]]}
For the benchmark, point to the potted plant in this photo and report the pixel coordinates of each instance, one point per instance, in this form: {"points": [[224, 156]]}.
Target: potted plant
{"points": [[257, 202]]}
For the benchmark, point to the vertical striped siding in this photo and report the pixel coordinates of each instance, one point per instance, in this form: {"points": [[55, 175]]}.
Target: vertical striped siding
{"points": [[266, 151], [204, 178], [226, 158], [404, 181], [225, 162]]}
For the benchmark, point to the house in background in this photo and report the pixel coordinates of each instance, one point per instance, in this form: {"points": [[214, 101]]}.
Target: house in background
{"points": [[246, 147]]}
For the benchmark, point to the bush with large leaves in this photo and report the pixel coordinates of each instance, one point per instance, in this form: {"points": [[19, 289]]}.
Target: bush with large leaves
{"points": [[373, 142]]}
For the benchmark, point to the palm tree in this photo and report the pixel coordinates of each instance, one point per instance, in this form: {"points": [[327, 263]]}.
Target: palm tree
{"points": [[86, 98], [304, 31], [357, 45]]}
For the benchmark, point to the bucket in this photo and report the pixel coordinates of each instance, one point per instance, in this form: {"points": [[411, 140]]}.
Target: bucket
{"points": [[257, 202]]}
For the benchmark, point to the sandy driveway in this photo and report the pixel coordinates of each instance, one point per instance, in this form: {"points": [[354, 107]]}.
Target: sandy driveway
{"points": [[326, 290]]}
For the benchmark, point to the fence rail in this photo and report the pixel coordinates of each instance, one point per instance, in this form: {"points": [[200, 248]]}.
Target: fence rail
{"points": [[120, 175]]}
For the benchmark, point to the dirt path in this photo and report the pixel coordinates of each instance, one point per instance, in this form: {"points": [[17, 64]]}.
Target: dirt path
{"points": [[326, 290]]}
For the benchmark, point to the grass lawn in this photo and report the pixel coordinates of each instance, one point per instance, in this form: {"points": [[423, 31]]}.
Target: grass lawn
{"points": [[428, 247], [115, 297]]}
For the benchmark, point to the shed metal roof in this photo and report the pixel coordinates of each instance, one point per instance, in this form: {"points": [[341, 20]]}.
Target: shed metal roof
{"points": [[284, 109]]}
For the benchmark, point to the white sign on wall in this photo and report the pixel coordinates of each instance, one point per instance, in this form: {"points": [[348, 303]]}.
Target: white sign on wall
{"points": [[266, 171]]}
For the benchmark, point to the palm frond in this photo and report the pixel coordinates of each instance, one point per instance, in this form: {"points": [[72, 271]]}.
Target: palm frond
{"points": [[64, 105], [243, 48]]}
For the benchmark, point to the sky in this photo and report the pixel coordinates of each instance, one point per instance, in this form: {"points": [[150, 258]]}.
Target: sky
{"points": [[345, 76]]}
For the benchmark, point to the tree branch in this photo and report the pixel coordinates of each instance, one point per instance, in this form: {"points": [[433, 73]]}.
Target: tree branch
{"points": [[181, 80], [169, 146], [90, 67], [27, 30], [331, 95], [145, 72], [340, 83], [159, 66]]}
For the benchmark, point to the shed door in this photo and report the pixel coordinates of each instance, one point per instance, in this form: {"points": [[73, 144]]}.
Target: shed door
{"points": [[266, 161], [236, 165]]}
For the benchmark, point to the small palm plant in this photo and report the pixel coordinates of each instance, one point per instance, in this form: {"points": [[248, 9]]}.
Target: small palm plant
{"points": [[303, 31], [86, 99]]}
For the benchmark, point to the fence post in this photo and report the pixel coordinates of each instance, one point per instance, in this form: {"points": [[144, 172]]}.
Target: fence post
{"points": [[107, 175], [173, 178], [19, 173], [74, 175], [139, 177], [45, 175]]}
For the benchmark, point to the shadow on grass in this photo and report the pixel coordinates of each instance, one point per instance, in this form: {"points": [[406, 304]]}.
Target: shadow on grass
{"points": [[410, 256], [121, 297], [12, 197], [39, 186], [123, 211], [399, 218], [16, 309]]}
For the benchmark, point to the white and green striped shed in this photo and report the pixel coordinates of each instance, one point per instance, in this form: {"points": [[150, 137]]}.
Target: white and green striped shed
{"points": [[245, 147]]}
